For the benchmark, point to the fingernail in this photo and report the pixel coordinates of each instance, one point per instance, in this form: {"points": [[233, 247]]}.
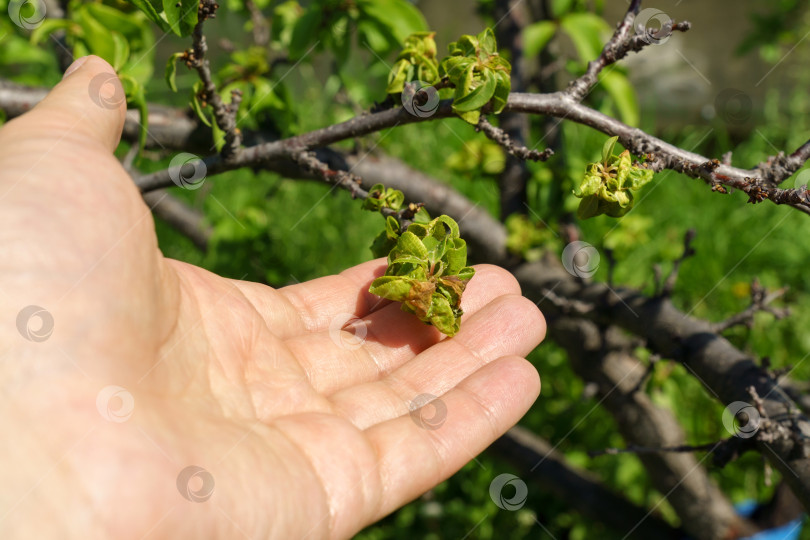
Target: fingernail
{"points": [[75, 65]]}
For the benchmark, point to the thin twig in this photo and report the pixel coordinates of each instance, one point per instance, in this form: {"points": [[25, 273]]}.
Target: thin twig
{"points": [[224, 114], [633, 449], [668, 285], [519, 151], [760, 301], [625, 39], [260, 28], [352, 183]]}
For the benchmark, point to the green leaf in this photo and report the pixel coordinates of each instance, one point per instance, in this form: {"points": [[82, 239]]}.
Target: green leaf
{"points": [[536, 36], [623, 95], [49, 26], [422, 216], [398, 76], [638, 177], [400, 16], [607, 149], [120, 51], [503, 85], [442, 316], [265, 96], [394, 199], [588, 207], [181, 18], [590, 185], [465, 46], [171, 71], [284, 17], [409, 244], [587, 31], [561, 7], [620, 207], [394, 288], [623, 165], [450, 223], [417, 61], [381, 245], [455, 67], [456, 258], [305, 30], [387, 239], [478, 95], [426, 271], [151, 12], [134, 91], [466, 273], [486, 40], [392, 227], [128, 24], [97, 36], [374, 34]]}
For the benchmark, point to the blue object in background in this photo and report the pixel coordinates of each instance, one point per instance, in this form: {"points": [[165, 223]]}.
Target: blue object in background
{"points": [[789, 531]]}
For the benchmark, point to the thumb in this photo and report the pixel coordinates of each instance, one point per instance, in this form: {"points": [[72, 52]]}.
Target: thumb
{"points": [[87, 107]]}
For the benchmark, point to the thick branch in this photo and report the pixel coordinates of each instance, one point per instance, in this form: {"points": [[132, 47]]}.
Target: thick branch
{"points": [[179, 215], [540, 464], [758, 183], [605, 358], [723, 369], [667, 156]]}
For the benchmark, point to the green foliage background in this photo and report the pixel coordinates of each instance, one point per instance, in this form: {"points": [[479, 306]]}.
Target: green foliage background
{"points": [[281, 231]]}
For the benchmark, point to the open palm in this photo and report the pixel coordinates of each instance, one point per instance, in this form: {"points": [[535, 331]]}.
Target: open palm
{"points": [[169, 401]]}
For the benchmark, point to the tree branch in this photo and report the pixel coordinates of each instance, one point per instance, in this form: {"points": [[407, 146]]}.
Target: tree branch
{"points": [[668, 285], [224, 115], [667, 156], [760, 301], [724, 370], [512, 148], [180, 216], [604, 357], [758, 183], [486, 237], [539, 463], [512, 17], [625, 39], [259, 27]]}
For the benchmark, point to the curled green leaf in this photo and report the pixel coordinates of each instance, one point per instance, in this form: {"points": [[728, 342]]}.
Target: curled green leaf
{"points": [[380, 197], [427, 272], [416, 62], [608, 185], [478, 73]]}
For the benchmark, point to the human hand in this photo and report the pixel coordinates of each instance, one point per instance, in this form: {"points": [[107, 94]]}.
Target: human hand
{"points": [[300, 430]]}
